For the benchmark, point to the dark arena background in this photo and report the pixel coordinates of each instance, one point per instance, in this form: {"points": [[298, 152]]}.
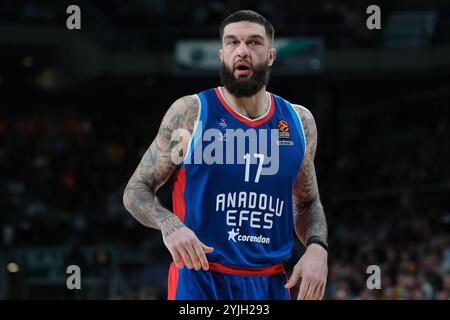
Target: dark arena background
{"points": [[78, 108]]}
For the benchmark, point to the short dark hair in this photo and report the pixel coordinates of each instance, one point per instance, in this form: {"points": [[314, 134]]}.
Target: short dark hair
{"points": [[251, 16]]}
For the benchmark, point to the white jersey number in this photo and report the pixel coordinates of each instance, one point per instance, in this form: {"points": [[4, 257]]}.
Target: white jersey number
{"points": [[260, 158]]}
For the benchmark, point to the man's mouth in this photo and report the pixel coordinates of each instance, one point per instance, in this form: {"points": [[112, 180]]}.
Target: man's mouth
{"points": [[242, 65], [242, 69]]}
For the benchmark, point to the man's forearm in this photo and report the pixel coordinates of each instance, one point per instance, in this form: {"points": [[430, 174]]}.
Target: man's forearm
{"points": [[310, 221], [158, 164], [144, 206]]}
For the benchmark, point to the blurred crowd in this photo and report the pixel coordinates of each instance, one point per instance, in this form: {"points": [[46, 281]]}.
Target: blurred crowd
{"points": [[398, 144], [411, 246], [393, 164]]}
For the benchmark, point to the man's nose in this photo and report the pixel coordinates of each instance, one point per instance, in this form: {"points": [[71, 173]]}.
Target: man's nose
{"points": [[242, 50]]}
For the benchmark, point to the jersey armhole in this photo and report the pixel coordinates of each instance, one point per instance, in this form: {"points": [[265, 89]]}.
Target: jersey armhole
{"points": [[300, 127], [196, 131]]}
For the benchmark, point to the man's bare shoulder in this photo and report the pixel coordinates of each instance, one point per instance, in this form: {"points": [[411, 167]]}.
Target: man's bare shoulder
{"points": [[304, 113], [185, 104], [309, 129], [182, 114]]}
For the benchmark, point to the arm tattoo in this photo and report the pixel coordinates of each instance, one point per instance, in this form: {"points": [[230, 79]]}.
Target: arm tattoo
{"points": [[170, 224], [156, 167], [309, 216]]}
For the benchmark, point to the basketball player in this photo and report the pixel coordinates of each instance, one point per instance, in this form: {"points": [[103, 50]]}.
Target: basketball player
{"points": [[231, 229]]}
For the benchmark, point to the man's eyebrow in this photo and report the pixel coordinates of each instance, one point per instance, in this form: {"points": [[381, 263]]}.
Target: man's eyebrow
{"points": [[257, 36], [253, 36], [229, 36]]}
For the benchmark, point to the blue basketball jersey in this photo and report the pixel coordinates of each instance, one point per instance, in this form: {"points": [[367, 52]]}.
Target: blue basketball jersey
{"points": [[234, 186]]}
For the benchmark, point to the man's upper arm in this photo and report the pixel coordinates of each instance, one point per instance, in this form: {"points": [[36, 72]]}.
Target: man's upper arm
{"points": [[305, 188], [158, 163], [309, 216]]}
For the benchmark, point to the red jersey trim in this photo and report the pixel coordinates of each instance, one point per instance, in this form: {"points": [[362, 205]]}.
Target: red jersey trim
{"points": [[172, 282], [243, 119], [266, 271], [179, 186]]}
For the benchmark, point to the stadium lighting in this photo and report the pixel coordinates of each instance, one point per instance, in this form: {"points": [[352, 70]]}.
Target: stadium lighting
{"points": [[12, 267]]}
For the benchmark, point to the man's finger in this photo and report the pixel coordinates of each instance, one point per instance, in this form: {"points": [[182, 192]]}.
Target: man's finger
{"points": [[176, 259], [311, 291], [206, 249], [201, 255], [293, 279], [316, 294], [193, 255], [322, 291], [185, 255], [303, 289]]}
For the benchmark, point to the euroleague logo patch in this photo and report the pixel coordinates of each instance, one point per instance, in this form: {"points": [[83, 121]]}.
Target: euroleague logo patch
{"points": [[284, 133], [283, 126]]}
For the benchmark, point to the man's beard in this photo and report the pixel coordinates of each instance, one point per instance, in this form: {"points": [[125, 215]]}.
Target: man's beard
{"points": [[245, 87]]}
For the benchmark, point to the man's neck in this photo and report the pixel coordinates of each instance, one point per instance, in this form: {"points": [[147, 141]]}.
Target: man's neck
{"points": [[251, 107]]}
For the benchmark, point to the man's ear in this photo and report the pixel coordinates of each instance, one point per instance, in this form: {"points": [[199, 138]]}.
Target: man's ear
{"points": [[272, 56], [221, 55]]}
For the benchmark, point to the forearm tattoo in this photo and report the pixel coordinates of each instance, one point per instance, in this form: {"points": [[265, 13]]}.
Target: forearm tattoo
{"points": [[309, 216], [170, 224], [156, 167]]}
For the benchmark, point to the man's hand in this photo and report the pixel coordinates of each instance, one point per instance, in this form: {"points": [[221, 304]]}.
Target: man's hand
{"points": [[312, 268], [184, 246]]}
